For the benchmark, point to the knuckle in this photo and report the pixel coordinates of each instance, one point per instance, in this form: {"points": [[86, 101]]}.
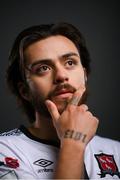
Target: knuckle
{"points": [[89, 113], [83, 107], [96, 120], [70, 109]]}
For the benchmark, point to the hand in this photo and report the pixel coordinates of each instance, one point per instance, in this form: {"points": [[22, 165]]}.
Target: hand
{"points": [[76, 122]]}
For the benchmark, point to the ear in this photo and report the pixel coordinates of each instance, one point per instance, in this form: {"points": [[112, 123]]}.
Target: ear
{"points": [[23, 90]]}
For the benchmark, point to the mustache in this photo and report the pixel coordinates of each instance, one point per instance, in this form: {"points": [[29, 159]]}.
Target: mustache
{"points": [[70, 88], [58, 88]]}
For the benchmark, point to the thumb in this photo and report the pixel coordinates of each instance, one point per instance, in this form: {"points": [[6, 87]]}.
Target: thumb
{"points": [[52, 110]]}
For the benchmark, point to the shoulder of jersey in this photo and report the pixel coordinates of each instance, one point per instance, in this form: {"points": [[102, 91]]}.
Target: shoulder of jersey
{"points": [[105, 142], [14, 132]]}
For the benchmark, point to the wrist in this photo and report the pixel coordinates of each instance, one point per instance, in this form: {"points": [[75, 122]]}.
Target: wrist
{"points": [[72, 145], [74, 137]]}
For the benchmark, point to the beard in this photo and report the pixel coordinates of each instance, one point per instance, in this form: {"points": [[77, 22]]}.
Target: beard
{"points": [[38, 101]]}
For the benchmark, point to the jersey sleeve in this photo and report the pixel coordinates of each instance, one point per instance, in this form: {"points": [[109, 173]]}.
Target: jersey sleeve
{"points": [[12, 165]]}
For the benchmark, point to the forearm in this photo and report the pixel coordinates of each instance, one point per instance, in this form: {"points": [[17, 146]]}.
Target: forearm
{"points": [[70, 164], [75, 127]]}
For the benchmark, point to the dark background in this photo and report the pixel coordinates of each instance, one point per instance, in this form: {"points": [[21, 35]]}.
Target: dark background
{"points": [[98, 20]]}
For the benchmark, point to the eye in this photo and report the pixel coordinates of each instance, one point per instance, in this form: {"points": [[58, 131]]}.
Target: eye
{"points": [[40, 69], [70, 63]]}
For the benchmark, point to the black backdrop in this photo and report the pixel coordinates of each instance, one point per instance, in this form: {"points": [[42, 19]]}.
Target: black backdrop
{"points": [[100, 24]]}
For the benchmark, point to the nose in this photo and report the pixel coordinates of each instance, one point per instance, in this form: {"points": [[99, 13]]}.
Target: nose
{"points": [[60, 76]]}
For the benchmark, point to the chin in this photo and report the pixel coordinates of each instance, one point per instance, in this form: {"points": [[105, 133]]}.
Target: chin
{"points": [[61, 103], [61, 106], [61, 110]]}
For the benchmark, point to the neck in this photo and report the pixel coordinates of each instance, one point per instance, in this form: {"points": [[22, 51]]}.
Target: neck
{"points": [[43, 128]]}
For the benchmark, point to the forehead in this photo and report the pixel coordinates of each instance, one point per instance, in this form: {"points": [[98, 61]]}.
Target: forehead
{"points": [[51, 47]]}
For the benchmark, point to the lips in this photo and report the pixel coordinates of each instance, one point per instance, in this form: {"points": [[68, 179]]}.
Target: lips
{"points": [[62, 91], [62, 94]]}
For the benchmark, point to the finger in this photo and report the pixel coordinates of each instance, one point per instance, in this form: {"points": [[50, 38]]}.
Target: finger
{"points": [[52, 110], [83, 107], [77, 96]]}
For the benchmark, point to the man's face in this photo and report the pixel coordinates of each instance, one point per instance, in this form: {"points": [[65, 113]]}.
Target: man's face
{"points": [[56, 72]]}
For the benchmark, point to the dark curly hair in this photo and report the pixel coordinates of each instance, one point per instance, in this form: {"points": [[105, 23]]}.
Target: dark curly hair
{"points": [[16, 68]]}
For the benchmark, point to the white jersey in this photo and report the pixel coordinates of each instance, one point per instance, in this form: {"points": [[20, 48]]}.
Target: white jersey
{"points": [[23, 156]]}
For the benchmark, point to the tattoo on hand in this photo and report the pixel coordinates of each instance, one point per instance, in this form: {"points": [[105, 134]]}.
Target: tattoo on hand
{"points": [[75, 135]]}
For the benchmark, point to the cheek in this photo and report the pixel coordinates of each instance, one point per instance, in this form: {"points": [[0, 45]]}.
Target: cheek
{"points": [[39, 87], [78, 78]]}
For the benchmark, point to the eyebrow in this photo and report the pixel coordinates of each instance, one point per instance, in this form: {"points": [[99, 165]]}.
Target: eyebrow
{"points": [[48, 61], [69, 54]]}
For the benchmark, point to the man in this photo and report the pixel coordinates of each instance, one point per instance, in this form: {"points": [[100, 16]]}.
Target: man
{"points": [[48, 71]]}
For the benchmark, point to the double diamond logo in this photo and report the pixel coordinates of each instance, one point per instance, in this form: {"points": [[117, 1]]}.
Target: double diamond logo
{"points": [[43, 163]]}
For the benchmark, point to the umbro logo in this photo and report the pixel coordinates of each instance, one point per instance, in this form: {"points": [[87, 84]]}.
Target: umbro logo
{"points": [[43, 163]]}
